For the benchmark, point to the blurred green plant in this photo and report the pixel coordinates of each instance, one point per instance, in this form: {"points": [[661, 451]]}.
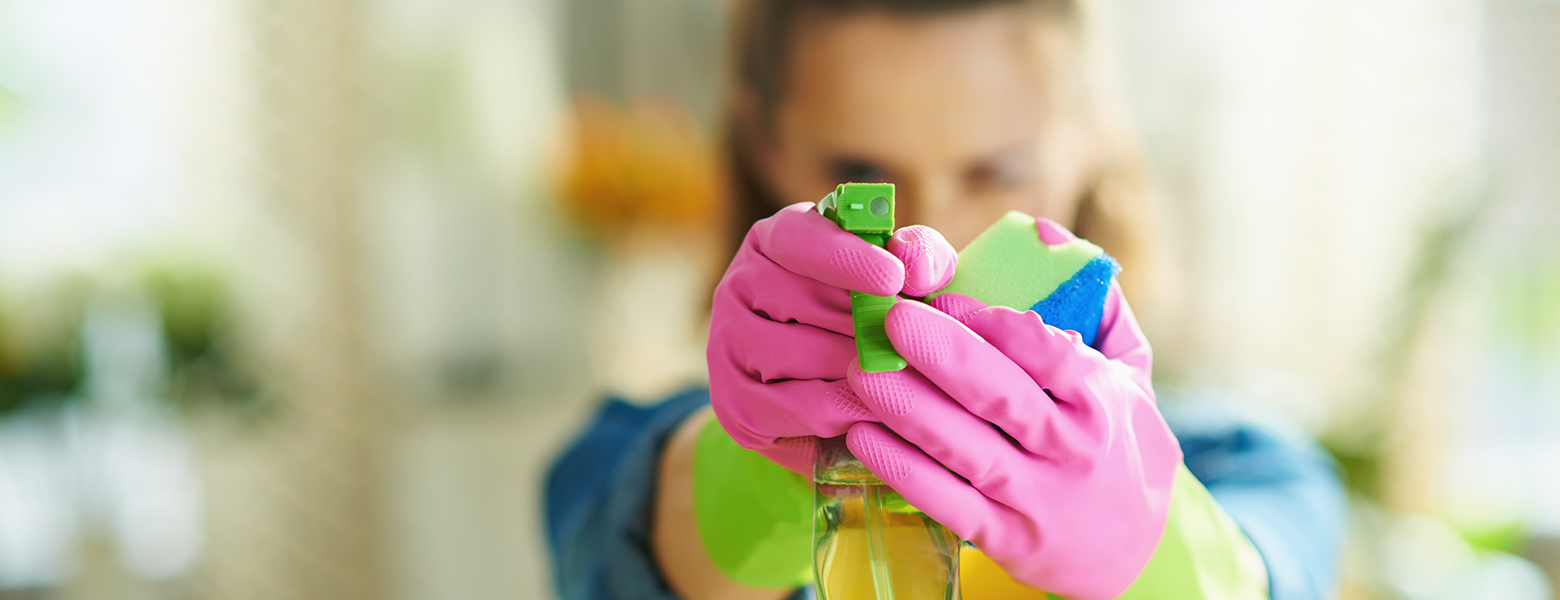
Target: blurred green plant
{"points": [[195, 306], [1505, 537], [41, 340], [40, 353], [1360, 446]]}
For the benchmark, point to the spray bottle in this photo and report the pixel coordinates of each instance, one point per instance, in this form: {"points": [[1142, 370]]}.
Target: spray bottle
{"points": [[868, 543]]}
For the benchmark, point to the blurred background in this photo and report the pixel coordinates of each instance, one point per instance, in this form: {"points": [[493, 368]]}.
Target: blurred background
{"points": [[298, 298]]}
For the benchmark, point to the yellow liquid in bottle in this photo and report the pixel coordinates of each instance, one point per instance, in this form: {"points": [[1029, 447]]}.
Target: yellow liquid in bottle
{"points": [[870, 545]]}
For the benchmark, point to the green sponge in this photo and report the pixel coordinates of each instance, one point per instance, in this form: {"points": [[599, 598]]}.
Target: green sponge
{"points": [[1009, 266]]}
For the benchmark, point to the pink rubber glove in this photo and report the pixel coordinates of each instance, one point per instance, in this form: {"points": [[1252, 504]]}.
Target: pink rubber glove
{"points": [[1046, 454], [781, 337]]}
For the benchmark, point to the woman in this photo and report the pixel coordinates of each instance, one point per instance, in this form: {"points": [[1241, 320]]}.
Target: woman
{"points": [[1045, 450]]}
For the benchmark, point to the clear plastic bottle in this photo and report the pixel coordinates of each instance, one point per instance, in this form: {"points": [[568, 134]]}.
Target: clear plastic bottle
{"points": [[868, 543]]}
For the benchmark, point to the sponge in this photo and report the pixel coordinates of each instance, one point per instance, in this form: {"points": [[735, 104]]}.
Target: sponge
{"points": [[1008, 265]]}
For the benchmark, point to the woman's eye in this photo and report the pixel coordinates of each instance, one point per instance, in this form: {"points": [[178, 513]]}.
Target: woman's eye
{"points": [[857, 171], [1007, 172]]}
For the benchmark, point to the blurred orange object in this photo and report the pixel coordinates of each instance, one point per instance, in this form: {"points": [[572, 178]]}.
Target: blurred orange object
{"points": [[644, 168]]}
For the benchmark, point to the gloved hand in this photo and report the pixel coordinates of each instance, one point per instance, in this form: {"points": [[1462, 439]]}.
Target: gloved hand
{"points": [[780, 327], [1048, 455]]}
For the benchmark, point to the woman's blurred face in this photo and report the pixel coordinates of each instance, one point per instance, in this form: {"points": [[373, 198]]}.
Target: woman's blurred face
{"points": [[954, 109]]}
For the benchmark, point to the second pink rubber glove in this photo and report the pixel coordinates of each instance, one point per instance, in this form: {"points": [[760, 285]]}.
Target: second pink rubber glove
{"points": [[781, 337], [1046, 454]]}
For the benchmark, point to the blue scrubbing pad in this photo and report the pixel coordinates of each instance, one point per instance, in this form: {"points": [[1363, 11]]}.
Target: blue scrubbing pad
{"points": [[1008, 265]]}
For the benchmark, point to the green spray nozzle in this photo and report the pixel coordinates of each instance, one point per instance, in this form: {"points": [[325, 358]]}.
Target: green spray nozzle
{"points": [[867, 210]]}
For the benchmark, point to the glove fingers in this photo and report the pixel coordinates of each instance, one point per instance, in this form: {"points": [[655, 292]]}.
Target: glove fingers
{"points": [[936, 491], [1056, 359], [794, 453], [806, 243], [928, 258], [769, 352], [923, 415], [1086, 393], [1052, 233], [974, 373], [759, 285], [757, 414], [1121, 340], [1031, 343], [958, 306]]}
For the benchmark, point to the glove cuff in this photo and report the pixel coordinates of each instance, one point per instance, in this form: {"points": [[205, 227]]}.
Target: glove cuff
{"points": [[1203, 555], [754, 516]]}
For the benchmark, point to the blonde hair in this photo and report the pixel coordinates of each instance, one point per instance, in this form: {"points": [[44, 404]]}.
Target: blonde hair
{"points": [[1114, 207]]}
